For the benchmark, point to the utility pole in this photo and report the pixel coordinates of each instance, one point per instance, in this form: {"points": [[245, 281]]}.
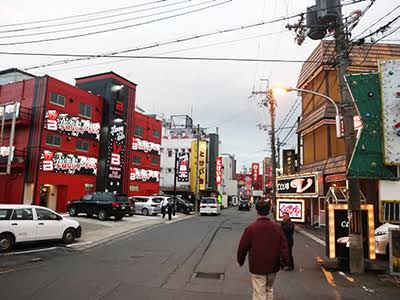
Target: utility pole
{"points": [[354, 203], [175, 175], [278, 145], [197, 167], [271, 104]]}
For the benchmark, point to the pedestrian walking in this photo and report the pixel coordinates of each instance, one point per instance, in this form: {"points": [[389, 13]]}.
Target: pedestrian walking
{"points": [[288, 230], [164, 204], [169, 209], [265, 242]]}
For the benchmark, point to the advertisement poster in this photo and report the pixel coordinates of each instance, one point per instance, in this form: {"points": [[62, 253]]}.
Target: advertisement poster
{"points": [[116, 158], [67, 163], [295, 209], [183, 167], [394, 251], [297, 186], [218, 175], [70, 125], [390, 78]]}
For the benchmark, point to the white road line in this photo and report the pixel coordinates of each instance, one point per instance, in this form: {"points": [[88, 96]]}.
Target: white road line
{"points": [[78, 244], [311, 236], [29, 251]]}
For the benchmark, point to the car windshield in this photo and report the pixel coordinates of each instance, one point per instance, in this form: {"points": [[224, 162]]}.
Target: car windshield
{"points": [[122, 198], [208, 201], [156, 200]]}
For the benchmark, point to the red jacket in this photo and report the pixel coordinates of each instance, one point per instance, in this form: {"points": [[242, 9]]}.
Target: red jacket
{"points": [[266, 243]]}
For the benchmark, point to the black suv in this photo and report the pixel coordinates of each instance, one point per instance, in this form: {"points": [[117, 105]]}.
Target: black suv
{"points": [[183, 206], [244, 204], [102, 204]]}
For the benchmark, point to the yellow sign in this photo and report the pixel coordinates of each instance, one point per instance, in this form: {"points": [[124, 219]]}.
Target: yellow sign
{"points": [[202, 162]]}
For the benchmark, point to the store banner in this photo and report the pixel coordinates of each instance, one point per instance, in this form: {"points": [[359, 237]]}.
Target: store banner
{"points": [[304, 186], [255, 169], [183, 167], [116, 157], [294, 207], [71, 125], [201, 161], [144, 175], [218, 175], [145, 146], [7, 111], [390, 79], [289, 161], [67, 163]]}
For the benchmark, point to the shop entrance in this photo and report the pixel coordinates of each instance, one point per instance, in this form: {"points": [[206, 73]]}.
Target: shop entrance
{"points": [[48, 196]]}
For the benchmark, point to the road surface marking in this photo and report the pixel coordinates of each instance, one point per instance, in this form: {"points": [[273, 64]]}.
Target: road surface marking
{"points": [[29, 251], [78, 244], [328, 275], [348, 278], [311, 236]]}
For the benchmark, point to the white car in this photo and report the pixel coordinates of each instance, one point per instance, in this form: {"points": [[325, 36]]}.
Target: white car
{"points": [[382, 238], [209, 206], [28, 223]]}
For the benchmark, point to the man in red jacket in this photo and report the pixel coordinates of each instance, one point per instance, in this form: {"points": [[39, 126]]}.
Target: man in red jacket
{"points": [[266, 243]]}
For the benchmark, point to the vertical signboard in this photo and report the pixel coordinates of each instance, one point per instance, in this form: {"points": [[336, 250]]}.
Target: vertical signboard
{"points": [[116, 157], [201, 162], [390, 80], [183, 167], [255, 167], [289, 158], [218, 175], [394, 251]]}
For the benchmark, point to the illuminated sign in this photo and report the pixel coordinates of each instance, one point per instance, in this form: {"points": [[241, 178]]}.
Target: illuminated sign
{"points": [[338, 230], [116, 157], [255, 171], [7, 111], [146, 146], [294, 207], [218, 175], [64, 123], [305, 186], [390, 79], [201, 161], [247, 180], [144, 175], [68, 163], [183, 167]]}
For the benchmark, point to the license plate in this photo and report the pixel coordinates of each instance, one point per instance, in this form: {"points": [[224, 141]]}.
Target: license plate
{"points": [[123, 207]]}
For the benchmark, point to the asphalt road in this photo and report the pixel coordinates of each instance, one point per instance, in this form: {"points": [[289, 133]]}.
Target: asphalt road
{"points": [[191, 259]]}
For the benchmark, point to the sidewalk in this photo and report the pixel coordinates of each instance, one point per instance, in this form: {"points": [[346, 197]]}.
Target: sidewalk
{"points": [[95, 232]]}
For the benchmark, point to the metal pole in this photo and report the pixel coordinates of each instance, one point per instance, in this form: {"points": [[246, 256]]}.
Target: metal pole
{"points": [[298, 147], [175, 174], [271, 105], [278, 144], [355, 226], [197, 167]]}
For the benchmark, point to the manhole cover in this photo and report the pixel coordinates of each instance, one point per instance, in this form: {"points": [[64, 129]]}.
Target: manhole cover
{"points": [[206, 275]]}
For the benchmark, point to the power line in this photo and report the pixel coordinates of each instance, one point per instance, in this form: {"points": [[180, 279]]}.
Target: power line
{"points": [[81, 15], [294, 106], [112, 22], [118, 28]]}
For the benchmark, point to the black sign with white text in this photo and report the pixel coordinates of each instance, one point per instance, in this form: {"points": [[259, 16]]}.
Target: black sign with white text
{"points": [[297, 186]]}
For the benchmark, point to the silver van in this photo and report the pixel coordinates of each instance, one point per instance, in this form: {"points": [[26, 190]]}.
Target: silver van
{"points": [[147, 205]]}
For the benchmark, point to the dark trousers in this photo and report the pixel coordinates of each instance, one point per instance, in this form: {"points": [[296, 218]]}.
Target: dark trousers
{"points": [[169, 213], [163, 211], [291, 261]]}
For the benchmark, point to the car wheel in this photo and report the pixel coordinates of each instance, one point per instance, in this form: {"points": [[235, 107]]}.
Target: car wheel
{"points": [[6, 242], [103, 215], [73, 211], [69, 236], [119, 218], [145, 211]]}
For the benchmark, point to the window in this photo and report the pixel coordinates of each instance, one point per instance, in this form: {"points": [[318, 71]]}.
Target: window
{"points": [[5, 214], [137, 159], [57, 99], [209, 201], [44, 214], [154, 161], [82, 146], [139, 131], [87, 198], [22, 214], [89, 186], [53, 140], [134, 188], [156, 133], [85, 110], [169, 152]]}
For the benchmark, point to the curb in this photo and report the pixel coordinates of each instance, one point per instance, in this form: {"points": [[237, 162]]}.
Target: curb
{"points": [[311, 236]]}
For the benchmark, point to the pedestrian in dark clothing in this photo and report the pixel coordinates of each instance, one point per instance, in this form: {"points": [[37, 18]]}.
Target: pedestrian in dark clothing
{"points": [[288, 229], [265, 242], [169, 209]]}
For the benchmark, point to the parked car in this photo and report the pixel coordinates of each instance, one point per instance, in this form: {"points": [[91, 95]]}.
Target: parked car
{"points": [[183, 205], [147, 205], [29, 223], [382, 238], [102, 204], [244, 204], [209, 205]]}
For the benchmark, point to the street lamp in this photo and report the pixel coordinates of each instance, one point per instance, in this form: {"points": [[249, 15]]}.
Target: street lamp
{"points": [[281, 91]]}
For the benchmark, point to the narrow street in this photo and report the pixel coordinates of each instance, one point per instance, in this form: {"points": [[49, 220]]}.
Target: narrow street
{"points": [[191, 259]]}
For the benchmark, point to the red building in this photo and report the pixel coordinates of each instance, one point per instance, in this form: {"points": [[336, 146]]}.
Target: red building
{"points": [[67, 141], [55, 143], [146, 150]]}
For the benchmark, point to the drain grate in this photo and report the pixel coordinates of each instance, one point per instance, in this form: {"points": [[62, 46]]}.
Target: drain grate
{"points": [[205, 275]]}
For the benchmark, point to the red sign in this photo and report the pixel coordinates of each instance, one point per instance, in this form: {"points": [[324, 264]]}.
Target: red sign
{"points": [[255, 171], [218, 175]]}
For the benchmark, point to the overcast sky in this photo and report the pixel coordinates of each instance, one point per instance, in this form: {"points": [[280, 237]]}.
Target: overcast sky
{"points": [[217, 92]]}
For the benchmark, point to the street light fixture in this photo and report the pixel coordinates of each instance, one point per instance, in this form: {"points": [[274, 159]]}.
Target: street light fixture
{"points": [[281, 91]]}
